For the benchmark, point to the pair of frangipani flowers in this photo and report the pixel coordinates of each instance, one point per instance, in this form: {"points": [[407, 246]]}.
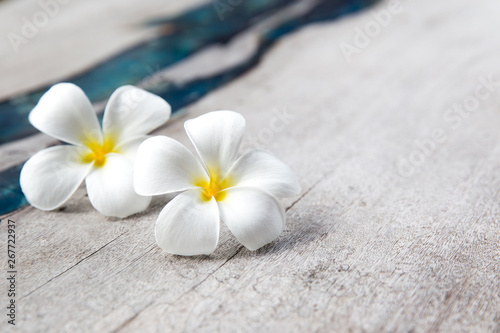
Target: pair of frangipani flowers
{"points": [[123, 167]]}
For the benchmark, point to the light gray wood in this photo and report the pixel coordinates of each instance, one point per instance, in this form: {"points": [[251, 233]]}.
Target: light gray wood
{"points": [[365, 249]]}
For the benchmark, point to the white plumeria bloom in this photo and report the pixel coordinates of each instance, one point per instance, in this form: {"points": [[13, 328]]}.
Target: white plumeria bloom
{"points": [[243, 192], [104, 158]]}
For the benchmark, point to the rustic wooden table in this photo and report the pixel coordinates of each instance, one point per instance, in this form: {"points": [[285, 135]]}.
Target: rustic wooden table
{"points": [[397, 227]]}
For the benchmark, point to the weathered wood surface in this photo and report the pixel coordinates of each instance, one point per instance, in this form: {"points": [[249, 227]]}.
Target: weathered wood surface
{"points": [[368, 247]]}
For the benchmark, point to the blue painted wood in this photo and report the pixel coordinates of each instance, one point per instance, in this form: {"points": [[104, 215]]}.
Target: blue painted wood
{"points": [[10, 192]]}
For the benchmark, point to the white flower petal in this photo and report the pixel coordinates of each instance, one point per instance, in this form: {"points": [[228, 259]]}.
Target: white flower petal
{"points": [[164, 165], [217, 137], [254, 217], [132, 112], [129, 147], [110, 188], [262, 170], [51, 176], [188, 225], [65, 113]]}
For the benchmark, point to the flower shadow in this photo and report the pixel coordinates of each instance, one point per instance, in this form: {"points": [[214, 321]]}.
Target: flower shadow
{"points": [[309, 225]]}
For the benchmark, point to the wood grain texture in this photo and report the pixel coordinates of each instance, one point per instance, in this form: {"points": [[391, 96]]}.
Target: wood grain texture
{"points": [[367, 247]]}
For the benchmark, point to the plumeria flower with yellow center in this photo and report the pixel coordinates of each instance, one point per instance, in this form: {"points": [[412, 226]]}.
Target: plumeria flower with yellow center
{"points": [[104, 158], [243, 191]]}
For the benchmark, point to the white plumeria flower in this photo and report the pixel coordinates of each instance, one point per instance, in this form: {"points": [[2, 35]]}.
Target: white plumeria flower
{"points": [[243, 192], [104, 158]]}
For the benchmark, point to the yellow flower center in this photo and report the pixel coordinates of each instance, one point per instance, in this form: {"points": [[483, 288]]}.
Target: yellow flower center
{"points": [[215, 187], [99, 151]]}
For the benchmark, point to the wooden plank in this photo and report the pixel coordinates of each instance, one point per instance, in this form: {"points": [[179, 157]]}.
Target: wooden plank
{"points": [[368, 246]]}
